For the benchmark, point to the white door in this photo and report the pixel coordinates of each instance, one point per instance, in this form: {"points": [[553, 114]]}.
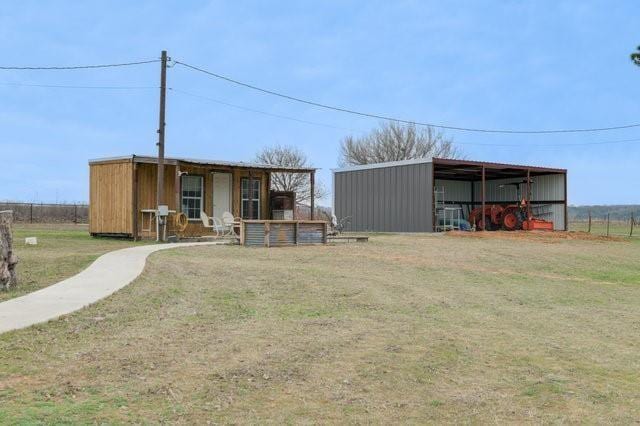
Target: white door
{"points": [[221, 194]]}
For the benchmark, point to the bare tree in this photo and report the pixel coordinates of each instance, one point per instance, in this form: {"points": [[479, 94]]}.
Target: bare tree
{"points": [[394, 141], [289, 156]]}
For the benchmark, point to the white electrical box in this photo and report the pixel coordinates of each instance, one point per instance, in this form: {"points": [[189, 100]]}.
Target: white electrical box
{"points": [[163, 210]]}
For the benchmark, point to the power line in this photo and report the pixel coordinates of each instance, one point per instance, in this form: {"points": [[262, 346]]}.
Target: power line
{"points": [[300, 100], [455, 142], [400, 120], [257, 111], [79, 67], [62, 86], [315, 123], [547, 145]]}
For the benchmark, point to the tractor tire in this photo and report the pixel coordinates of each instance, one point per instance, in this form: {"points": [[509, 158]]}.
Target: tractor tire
{"points": [[511, 221]]}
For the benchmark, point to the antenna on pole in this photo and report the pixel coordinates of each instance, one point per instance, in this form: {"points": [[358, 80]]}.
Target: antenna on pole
{"points": [[161, 207]]}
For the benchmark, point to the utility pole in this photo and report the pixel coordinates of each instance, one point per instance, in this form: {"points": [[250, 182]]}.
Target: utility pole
{"points": [[161, 124]]}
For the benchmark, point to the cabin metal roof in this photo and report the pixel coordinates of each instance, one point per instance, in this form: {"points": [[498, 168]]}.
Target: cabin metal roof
{"points": [[212, 163]]}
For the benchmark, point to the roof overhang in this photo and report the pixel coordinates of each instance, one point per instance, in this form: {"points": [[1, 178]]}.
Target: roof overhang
{"points": [[465, 170]]}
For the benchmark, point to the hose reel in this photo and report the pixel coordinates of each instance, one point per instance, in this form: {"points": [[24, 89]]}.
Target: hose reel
{"points": [[180, 222]]}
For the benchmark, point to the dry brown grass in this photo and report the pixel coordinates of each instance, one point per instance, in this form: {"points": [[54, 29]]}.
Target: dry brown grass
{"points": [[408, 329]]}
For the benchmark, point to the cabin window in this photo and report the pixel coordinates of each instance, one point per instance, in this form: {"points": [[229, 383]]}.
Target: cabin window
{"points": [[250, 196], [192, 196]]}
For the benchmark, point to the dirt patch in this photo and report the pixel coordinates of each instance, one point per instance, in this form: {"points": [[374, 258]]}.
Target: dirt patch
{"points": [[536, 235]]}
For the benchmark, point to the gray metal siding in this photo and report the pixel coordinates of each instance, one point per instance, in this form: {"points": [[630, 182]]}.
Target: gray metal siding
{"points": [[455, 190], [388, 199], [548, 187]]}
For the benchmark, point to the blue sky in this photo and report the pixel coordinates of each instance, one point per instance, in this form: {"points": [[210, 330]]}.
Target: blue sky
{"points": [[491, 64]]}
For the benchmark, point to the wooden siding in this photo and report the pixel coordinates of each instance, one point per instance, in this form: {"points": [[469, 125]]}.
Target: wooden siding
{"points": [[146, 193], [147, 181], [110, 198]]}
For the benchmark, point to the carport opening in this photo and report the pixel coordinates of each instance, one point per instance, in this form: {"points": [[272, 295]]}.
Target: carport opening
{"points": [[460, 186]]}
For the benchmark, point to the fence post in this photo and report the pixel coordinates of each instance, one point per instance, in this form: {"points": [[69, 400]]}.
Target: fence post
{"points": [[75, 213], [607, 224], [589, 229], [31, 213], [632, 222]]}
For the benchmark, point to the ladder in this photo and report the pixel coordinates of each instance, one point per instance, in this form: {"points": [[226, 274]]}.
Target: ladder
{"points": [[447, 218]]}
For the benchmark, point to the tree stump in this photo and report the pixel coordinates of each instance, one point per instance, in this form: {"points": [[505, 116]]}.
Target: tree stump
{"points": [[8, 259]]}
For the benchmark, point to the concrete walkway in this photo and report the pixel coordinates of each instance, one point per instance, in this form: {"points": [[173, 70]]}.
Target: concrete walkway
{"points": [[108, 274]]}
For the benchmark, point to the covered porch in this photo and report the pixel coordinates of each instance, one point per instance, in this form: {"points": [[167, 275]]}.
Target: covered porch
{"points": [[214, 187]]}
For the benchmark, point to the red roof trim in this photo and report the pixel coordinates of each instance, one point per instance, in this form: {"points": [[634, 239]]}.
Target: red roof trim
{"points": [[490, 165]]}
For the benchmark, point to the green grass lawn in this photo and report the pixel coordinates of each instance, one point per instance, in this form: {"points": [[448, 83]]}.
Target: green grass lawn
{"points": [[403, 329], [62, 251], [599, 227]]}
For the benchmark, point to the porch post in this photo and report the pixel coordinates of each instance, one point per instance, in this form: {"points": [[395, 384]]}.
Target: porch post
{"points": [[484, 219], [176, 189], [134, 199], [312, 181], [566, 213]]}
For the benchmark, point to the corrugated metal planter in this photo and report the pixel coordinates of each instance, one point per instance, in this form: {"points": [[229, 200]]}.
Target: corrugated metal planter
{"points": [[278, 233]]}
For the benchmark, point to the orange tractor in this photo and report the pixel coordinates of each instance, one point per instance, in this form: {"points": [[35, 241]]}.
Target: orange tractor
{"points": [[509, 217]]}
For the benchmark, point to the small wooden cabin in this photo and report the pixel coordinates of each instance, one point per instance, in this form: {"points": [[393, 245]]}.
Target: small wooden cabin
{"points": [[123, 192]]}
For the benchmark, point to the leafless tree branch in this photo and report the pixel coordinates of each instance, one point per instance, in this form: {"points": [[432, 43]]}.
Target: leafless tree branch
{"points": [[394, 141], [288, 156]]}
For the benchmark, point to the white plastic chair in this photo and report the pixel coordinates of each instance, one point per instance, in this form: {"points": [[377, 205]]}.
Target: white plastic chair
{"points": [[218, 226], [229, 222], [212, 223]]}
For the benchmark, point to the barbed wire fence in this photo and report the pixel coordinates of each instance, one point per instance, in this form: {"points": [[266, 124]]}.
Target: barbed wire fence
{"points": [[605, 225], [78, 213], [47, 212]]}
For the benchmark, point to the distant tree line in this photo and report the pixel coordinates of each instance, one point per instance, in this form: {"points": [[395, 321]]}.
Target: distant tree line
{"points": [[616, 212]]}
